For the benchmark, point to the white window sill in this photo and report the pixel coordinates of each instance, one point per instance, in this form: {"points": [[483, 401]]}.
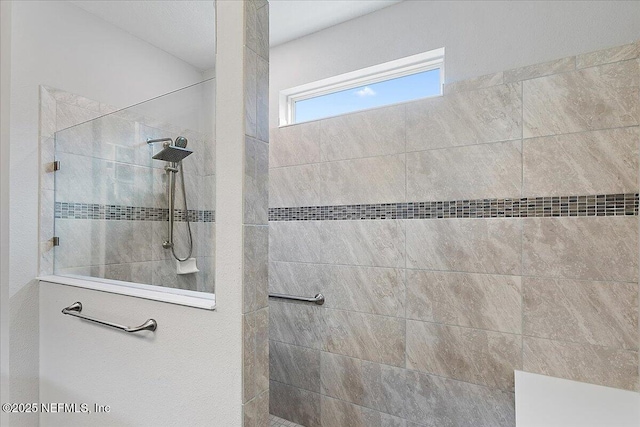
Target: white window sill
{"points": [[173, 296]]}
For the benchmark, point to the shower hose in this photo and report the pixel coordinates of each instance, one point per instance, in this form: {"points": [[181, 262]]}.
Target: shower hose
{"points": [[186, 208]]}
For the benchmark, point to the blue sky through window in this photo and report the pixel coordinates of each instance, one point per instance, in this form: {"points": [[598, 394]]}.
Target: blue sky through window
{"points": [[401, 89]]}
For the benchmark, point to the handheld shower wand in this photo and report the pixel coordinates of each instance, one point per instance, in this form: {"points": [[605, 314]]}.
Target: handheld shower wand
{"points": [[173, 152]]}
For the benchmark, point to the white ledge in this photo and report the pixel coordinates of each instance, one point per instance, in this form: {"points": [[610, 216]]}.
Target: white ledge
{"points": [[156, 293]]}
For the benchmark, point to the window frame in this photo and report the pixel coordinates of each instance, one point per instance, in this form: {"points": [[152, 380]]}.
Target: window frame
{"points": [[414, 64]]}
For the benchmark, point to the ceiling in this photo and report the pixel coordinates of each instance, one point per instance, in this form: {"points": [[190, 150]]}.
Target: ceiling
{"points": [[292, 19], [186, 29]]}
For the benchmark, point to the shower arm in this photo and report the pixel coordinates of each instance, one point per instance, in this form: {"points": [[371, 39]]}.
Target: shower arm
{"points": [[153, 141]]}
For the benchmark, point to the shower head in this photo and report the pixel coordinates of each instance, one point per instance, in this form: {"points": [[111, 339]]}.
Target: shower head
{"points": [[172, 153]]}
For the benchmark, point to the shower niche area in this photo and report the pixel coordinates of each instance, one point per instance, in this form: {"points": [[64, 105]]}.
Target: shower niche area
{"points": [[134, 190]]}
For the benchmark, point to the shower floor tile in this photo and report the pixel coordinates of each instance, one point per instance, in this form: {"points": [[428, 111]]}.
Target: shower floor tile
{"points": [[280, 422]]}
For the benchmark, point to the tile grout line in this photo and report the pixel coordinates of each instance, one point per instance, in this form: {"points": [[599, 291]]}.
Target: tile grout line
{"points": [[451, 325], [522, 192], [535, 276], [502, 141], [406, 369], [404, 223]]}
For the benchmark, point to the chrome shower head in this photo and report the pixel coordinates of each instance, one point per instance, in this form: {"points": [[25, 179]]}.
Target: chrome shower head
{"points": [[172, 153]]}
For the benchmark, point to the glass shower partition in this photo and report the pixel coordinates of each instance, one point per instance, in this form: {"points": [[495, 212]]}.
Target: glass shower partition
{"points": [[115, 184]]}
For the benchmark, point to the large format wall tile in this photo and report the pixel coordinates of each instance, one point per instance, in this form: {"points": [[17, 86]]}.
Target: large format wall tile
{"points": [[365, 336], [336, 413], [366, 134], [606, 56], [68, 115], [370, 243], [294, 404], [257, 27], [138, 272], [375, 386], [589, 99], [294, 365], [256, 411], [475, 172], [540, 70], [294, 145], [256, 267], [47, 157], [472, 245], [262, 92], [297, 324], [472, 355], [366, 289], [256, 182], [590, 248], [440, 402], [91, 180], [262, 350], [204, 238], [486, 115], [202, 146], [262, 22], [475, 83], [370, 180], [248, 357], [385, 388], [598, 162], [342, 378], [116, 138], [601, 313], [380, 419], [48, 107], [83, 242], [250, 92], [474, 300], [582, 362]]}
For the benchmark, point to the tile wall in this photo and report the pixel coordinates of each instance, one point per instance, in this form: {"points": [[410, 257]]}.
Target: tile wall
{"points": [[255, 206], [456, 239], [109, 198]]}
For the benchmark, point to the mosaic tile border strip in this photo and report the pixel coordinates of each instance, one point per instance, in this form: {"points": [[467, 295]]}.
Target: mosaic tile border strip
{"points": [[70, 210], [561, 206]]}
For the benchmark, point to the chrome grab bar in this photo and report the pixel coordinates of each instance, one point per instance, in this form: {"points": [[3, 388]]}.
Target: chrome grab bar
{"points": [[75, 310], [318, 299]]}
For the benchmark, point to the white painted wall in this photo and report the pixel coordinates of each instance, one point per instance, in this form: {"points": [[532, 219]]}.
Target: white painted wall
{"points": [[187, 373], [555, 402], [5, 89], [59, 45], [479, 37]]}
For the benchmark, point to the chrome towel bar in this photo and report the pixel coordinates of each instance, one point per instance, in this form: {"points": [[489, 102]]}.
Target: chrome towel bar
{"points": [[75, 310], [318, 299]]}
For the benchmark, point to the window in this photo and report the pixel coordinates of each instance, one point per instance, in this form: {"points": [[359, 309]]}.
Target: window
{"points": [[406, 79]]}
